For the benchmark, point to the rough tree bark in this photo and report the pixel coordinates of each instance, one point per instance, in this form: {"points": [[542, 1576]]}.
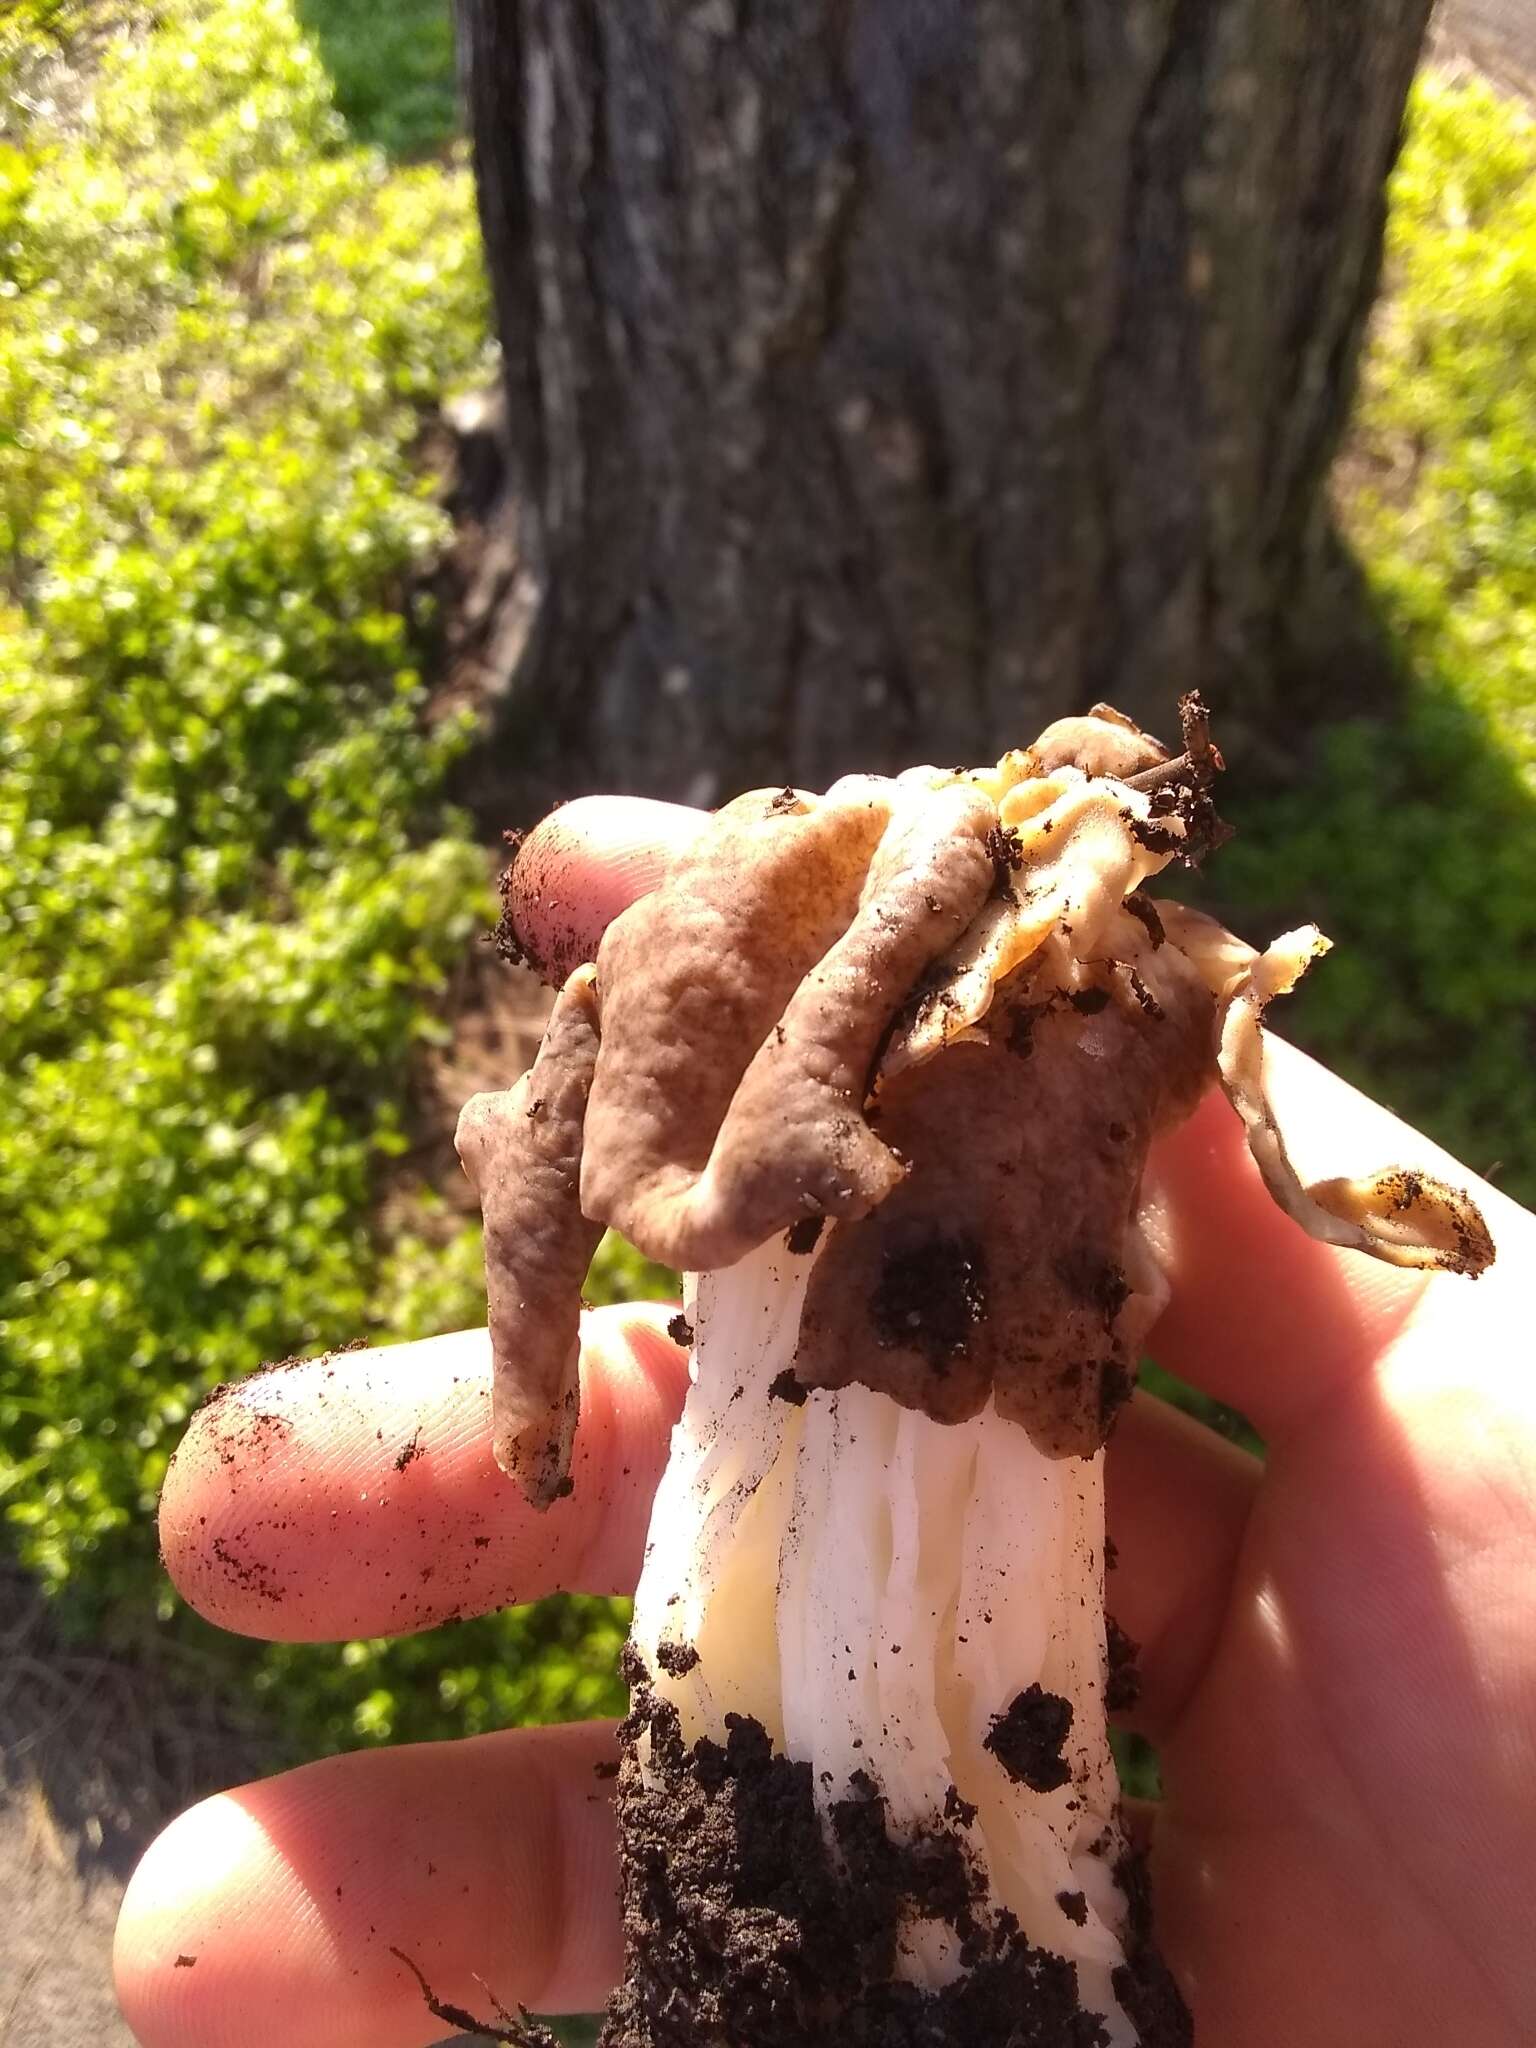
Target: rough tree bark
{"points": [[885, 377]]}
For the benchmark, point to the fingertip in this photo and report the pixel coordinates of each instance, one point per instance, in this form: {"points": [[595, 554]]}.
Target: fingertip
{"points": [[363, 1469], [583, 865], [179, 1977], [281, 1911]]}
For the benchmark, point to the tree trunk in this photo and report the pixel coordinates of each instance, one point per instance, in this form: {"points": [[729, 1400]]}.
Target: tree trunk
{"points": [[887, 377]]}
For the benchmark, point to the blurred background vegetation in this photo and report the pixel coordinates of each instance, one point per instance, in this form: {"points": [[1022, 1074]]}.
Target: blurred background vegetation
{"points": [[239, 277]]}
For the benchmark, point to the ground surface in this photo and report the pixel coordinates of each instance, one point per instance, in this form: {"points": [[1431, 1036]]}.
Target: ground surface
{"points": [[1499, 36], [57, 1913]]}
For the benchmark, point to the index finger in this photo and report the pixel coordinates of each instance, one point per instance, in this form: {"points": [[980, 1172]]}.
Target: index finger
{"points": [[356, 1494]]}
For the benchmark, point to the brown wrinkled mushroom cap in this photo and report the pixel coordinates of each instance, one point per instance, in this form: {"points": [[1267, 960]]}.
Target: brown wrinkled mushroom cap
{"points": [[743, 1007], [522, 1150], [1005, 1266], [939, 1011]]}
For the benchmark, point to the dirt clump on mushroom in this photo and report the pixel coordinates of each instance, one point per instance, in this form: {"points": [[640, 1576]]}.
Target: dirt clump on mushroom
{"points": [[745, 1911]]}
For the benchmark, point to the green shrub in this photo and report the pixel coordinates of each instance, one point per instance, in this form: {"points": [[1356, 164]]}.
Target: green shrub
{"points": [[577, 2033], [34, 31], [1414, 844], [392, 68], [229, 890]]}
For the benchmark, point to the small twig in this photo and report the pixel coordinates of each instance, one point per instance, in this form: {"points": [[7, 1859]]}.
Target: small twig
{"points": [[1182, 787], [519, 2029], [1195, 723], [1200, 763], [1178, 769], [508, 2019]]}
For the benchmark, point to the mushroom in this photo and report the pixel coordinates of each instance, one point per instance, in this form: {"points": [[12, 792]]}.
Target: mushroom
{"points": [[880, 1069]]}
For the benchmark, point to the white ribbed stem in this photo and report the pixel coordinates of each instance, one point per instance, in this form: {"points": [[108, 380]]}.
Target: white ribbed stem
{"points": [[874, 1588]]}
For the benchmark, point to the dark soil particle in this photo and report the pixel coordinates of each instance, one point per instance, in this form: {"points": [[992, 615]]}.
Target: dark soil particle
{"points": [[802, 1237], [249, 1574], [504, 938], [1144, 1984], [1005, 848], [1144, 910], [1144, 996], [1122, 1688], [787, 1388], [301, 1358], [930, 1297], [1027, 1736], [680, 1330], [1021, 1027], [1182, 788], [1007, 854], [744, 1925], [677, 1659], [956, 1808], [1094, 1280]]}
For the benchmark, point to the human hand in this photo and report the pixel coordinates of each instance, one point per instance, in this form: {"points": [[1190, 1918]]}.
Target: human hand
{"points": [[1338, 1650]]}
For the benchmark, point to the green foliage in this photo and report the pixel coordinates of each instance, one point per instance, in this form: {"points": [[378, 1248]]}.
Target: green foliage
{"points": [[554, 1661], [620, 1273], [1414, 845], [577, 2033], [229, 890], [392, 68], [31, 31]]}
